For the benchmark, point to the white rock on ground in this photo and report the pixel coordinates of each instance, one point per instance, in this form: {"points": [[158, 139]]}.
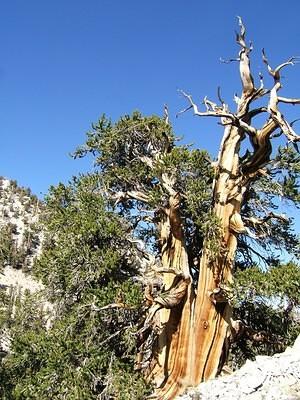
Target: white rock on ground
{"points": [[266, 378], [16, 277]]}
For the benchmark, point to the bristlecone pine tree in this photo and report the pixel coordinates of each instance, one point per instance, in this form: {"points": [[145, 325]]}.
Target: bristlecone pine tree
{"points": [[166, 218], [199, 231]]}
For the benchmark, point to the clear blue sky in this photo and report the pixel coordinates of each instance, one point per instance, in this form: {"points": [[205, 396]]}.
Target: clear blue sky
{"points": [[65, 62]]}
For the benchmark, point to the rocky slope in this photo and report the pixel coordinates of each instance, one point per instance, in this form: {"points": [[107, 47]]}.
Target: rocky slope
{"points": [[20, 243], [20, 237], [266, 378]]}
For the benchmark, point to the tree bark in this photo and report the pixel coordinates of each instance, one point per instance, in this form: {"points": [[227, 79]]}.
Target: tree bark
{"points": [[212, 318], [197, 346], [170, 355]]}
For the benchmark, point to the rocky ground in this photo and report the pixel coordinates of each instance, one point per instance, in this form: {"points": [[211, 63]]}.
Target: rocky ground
{"points": [[266, 378]]}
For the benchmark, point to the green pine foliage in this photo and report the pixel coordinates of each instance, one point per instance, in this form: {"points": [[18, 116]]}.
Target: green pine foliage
{"points": [[135, 154]]}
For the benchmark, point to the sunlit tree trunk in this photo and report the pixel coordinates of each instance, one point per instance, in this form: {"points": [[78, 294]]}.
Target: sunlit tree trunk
{"points": [[174, 316], [195, 354]]}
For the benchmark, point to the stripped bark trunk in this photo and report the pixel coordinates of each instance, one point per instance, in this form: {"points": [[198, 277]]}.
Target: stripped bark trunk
{"points": [[202, 336], [212, 318], [175, 317]]}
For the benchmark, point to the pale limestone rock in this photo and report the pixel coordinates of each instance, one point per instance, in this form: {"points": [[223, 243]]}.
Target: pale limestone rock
{"points": [[266, 378]]}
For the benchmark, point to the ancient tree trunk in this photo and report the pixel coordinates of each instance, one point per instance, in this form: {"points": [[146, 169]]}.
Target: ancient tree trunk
{"points": [[212, 314], [173, 307], [197, 355]]}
